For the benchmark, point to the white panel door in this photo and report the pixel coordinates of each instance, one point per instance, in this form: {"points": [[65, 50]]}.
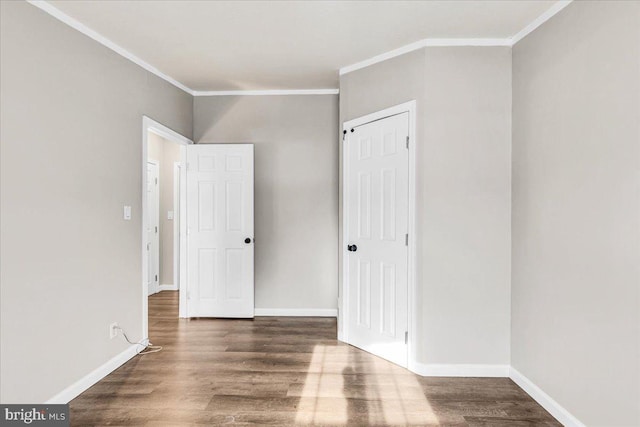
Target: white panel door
{"points": [[153, 227], [377, 199], [220, 230]]}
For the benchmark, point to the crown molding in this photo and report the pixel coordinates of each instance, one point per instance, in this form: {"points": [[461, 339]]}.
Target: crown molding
{"points": [[421, 44], [466, 42], [551, 12], [510, 41], [75, 24], [266, 92], [434, 42]]}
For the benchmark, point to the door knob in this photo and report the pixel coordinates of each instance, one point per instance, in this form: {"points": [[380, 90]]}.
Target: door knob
{"points": [[247, 240], [352, 248]]}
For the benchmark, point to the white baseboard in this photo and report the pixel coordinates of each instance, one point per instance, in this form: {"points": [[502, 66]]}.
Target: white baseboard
{"points": [[74, 390], [553, 407], [167, 288], [301, 312], [471, 370], [461, 370], [424, 369]]}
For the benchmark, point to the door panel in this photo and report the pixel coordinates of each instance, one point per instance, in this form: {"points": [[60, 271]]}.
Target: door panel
{"points": [[364, 293], [206, 272], [206, 198], [153, 226], [364, 206], [219, 218], [377, 198]]}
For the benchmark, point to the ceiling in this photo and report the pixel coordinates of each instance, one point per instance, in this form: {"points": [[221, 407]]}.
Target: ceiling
{"points": [[258, 45]]}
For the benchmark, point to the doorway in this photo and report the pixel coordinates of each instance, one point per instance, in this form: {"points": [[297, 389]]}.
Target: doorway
{"points": [[377, 293], [163, 231]]}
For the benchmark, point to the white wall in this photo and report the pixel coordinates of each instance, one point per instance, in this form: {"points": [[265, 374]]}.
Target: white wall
{"points": [[71, 156], [576, 211], [463, 192], [296, 190]]}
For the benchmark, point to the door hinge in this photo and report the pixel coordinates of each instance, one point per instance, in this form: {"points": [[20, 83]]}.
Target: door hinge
{"points": [[156, 181], [406, 337], [407, 141], [148, 247], [406, 239], [156, 277], [156, 229]]}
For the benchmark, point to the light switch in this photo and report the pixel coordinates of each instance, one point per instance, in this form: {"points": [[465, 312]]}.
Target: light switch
{"points": [[127, 213], [170, 215]]}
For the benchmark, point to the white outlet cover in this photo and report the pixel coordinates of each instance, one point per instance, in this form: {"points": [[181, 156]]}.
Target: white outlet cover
{"points": [[127, 213], [113, 331], [170, 215]]}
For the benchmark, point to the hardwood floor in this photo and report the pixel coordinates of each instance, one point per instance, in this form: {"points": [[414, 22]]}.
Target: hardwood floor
{"points": [[284, 371]]}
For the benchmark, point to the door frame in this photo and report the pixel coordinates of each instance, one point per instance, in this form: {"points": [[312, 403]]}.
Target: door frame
{"points": [[343, 312], [156, 163], [177, 220], [150, 125]]}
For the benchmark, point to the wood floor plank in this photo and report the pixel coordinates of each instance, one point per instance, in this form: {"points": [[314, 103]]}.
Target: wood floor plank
{"points": [[284, 372]]}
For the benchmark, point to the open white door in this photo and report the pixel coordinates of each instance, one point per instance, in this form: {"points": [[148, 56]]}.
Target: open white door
{"points": [[220, 230], [153, 227], [376, 229]]}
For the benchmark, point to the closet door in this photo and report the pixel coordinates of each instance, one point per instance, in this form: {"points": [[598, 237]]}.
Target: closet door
{"points": [[376, 212]]}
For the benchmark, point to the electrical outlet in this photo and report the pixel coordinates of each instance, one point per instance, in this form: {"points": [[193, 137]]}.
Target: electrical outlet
{"points": [[113, 330]]}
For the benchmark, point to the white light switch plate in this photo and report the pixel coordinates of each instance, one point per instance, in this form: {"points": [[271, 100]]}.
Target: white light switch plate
{"points": [[170, 215], [127, 213]]}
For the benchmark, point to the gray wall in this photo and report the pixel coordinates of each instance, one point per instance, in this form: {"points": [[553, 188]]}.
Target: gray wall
{"points": [[71, 130], [464, 202], [576, 217], [166, 153], [463, 192], [296, 190]]}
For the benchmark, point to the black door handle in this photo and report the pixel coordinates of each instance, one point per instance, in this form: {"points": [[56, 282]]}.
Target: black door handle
{"points": [[352, 248], [247, 240]]}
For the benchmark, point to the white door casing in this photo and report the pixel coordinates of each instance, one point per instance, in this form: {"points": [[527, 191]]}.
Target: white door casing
{"points": [[220, 248], [177, 172], [153, 226], [376, 186]]}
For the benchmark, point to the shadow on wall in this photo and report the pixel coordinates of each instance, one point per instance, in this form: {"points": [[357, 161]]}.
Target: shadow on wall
{"points": [[214, 115]]}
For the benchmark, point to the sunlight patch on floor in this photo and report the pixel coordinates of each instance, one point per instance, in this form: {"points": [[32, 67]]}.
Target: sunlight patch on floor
{"points": [[347, 386], [321, 399]]}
